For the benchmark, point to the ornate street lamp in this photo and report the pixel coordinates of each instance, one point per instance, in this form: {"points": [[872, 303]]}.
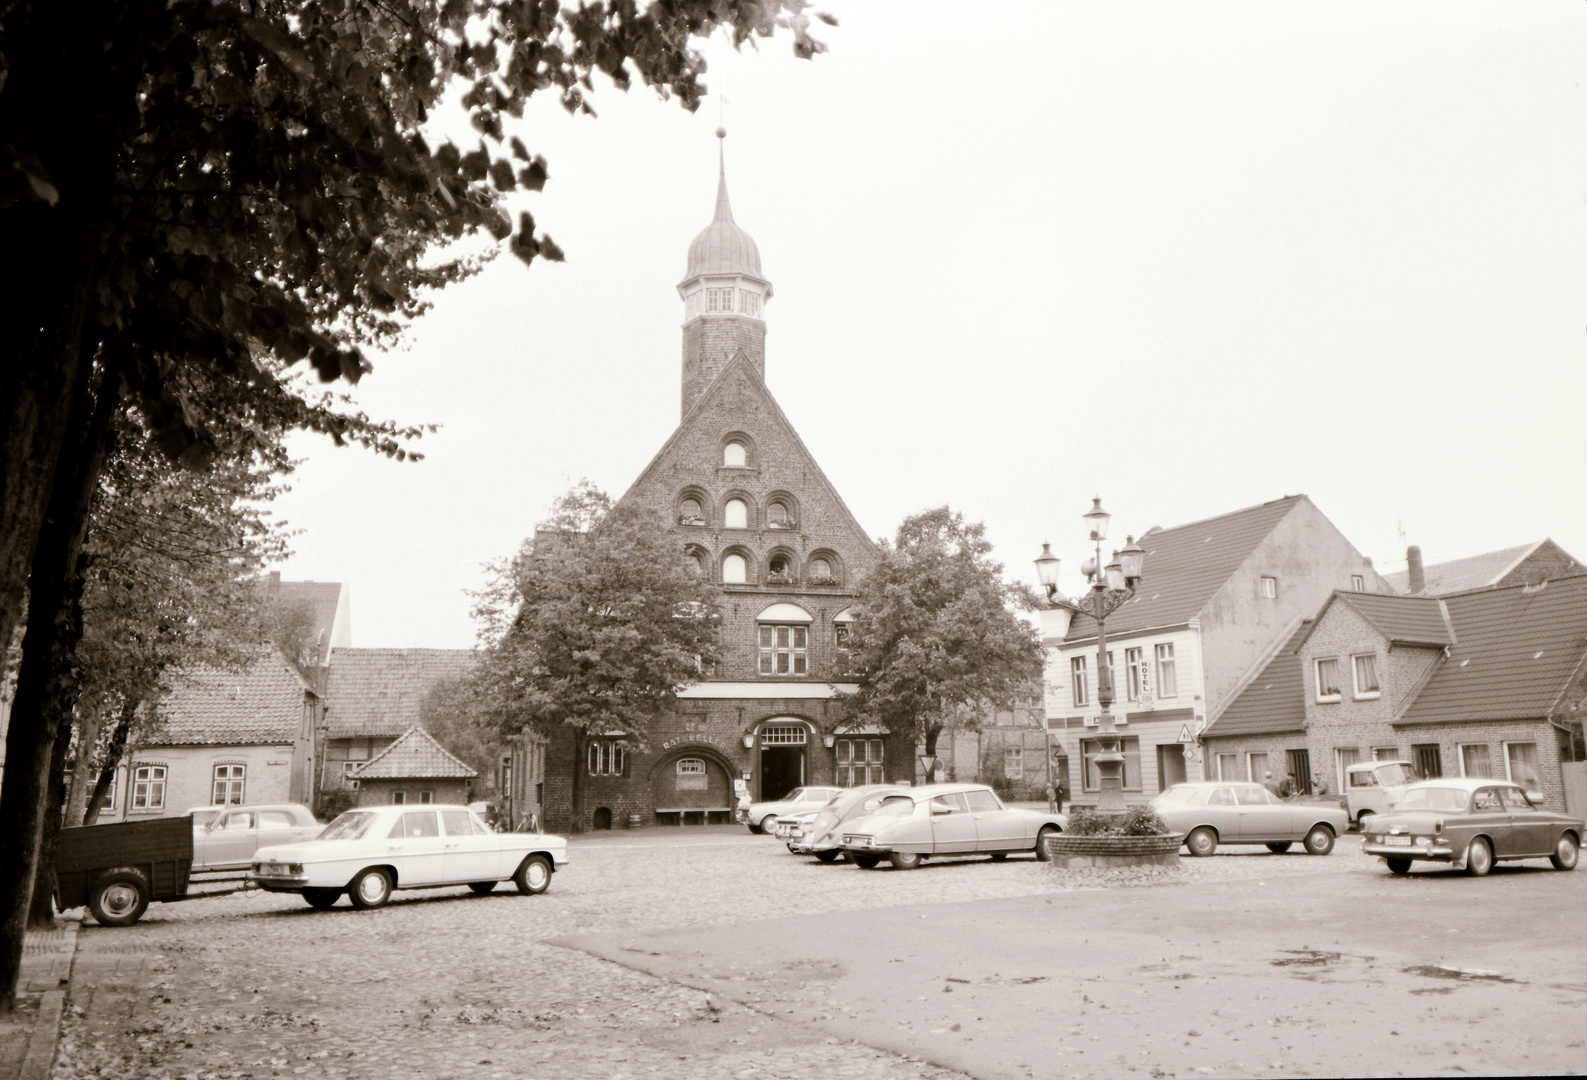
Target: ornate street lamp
{"points": [[1111, 586]]}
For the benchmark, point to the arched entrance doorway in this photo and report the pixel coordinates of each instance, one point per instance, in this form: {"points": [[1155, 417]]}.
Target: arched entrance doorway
{"points": [[782, 756], [692, 784]]}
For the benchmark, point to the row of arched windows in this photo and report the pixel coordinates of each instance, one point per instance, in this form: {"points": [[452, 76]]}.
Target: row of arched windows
{"points": [[738, 566], [738, 511]]}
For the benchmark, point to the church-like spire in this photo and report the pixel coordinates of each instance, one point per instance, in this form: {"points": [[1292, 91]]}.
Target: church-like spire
{"points": [[724, 295]]}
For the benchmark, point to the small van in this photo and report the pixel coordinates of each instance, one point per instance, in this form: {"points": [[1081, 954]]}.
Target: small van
{"points": [[1373, 787]]}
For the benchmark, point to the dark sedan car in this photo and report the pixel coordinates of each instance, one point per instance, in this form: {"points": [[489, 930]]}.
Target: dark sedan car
{"points": [[1471, 823]]}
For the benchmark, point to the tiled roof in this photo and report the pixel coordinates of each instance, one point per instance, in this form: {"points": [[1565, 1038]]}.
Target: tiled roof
{"points": [[1516, 649], [1275, 699], [378, 693], [1404, 620], [320, 599], [261, 705], [1472, 572], [416, 755], [1184, 566]]}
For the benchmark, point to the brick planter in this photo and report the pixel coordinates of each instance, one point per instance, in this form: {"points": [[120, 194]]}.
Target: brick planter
{"points": [[1068, 851]]}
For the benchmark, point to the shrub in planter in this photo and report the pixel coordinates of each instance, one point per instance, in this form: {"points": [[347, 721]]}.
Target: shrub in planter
{"points": [[1136, 821]]}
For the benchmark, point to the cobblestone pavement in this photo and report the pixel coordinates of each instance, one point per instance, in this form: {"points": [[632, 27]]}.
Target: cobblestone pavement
{"points": [[443, 983]]}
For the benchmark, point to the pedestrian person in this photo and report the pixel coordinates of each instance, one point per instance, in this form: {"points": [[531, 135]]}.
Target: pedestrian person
{"points": [[1286, 786], [1271, 784], [1060, 793]]}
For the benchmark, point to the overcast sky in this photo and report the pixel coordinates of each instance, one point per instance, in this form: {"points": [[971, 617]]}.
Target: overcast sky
{"points": [[1186, 256]]}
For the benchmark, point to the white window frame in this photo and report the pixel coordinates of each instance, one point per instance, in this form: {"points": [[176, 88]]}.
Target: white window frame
{"points": [[1509, 773], [399, 798], [1167, 670], [1358, 583], [1080, 681], [1355, 677], [1134, 668], [426, 797], [691, 766], [606, 758], [1014, 762], [1317, 675], [349, 767], [747, 302], [783, 643], [223, 775], [1341, 775], [1250, 765], [148, 783], [1460, 753], [1267, 587]]}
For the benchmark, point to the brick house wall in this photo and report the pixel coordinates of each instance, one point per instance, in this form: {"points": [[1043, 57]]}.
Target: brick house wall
{"points": [[380, 791]]}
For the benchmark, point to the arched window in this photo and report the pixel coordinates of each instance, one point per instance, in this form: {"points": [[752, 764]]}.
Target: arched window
{"points": [[735, 515], [690, 512], [733, 455], [820, 568], [778, 517], [734, 570], [696, 561]]}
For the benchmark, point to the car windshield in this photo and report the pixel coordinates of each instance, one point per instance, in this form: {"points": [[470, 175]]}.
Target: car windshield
{"points": [[1394, 774], [896, 806], [1434, 798], [350, 826], [793, 796], [1179, 793]]}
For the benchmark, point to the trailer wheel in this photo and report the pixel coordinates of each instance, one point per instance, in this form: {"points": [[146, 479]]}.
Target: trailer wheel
{"points": [[119, 897]]}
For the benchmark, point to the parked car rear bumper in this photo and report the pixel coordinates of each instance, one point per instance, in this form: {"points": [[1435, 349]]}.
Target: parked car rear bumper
{"points": [[1430, 851]]}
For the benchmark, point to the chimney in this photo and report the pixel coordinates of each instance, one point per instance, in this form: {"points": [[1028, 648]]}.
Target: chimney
{"points": [[1417, 581]]}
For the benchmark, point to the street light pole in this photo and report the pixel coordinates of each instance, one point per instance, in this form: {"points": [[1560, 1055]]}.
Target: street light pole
{"points": [[1111, 587]]}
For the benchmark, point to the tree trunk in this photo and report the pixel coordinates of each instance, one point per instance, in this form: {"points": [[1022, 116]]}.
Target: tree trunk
{"points": [[41, 913], [114, 753], [45, 679], [90, 722]]}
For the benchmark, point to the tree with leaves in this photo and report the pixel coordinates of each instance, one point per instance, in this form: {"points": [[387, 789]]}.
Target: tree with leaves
{"points": [[205, 193], [936, 635], [595, 626]]}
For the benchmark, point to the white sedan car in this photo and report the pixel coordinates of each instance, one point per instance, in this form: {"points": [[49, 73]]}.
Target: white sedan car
{"points": [[763, 815], [372, 851]]}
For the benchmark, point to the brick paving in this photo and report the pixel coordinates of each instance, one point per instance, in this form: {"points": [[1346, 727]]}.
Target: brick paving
{"points": [[445, 984]]}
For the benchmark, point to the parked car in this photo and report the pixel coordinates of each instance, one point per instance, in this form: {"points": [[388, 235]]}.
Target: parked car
{"points": [[1373, 787], [817, 832], [230, 840], [1213, 812], [203, 815], [763, 815], [372, 851], [912, 824], [1470, 823]]}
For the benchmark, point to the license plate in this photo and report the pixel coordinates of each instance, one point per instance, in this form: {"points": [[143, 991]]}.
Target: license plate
{"points": [[1397, 841], [274, 868]]}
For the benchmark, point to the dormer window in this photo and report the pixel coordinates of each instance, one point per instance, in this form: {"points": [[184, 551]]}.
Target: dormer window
{"points": [[778, 517], [734, 455], [735, 514], [690, 512]]}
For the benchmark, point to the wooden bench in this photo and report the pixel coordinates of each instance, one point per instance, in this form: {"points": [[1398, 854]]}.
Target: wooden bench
{"points": [[664, 814]]}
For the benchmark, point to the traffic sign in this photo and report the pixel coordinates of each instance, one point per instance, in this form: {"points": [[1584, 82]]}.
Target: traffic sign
{"points": [[1184, 734]]}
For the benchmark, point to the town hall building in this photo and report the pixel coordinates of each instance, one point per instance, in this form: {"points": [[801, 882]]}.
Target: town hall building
{"points": [[750, 505]]}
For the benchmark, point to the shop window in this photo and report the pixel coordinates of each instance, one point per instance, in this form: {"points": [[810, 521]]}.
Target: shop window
{"points": [[148, 787], [228, 784], [1092, 777], [784, 650]]}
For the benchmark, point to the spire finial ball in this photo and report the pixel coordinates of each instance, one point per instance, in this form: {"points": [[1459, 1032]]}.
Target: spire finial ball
{"points": [[721, 133]]}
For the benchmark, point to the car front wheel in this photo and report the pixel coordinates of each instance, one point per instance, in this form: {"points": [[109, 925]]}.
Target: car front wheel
{"points": [[1565, 853], [1320, 841], [1041, 842], [1479, 858], [1202, 842], [370, 889], [320, 899], [866, 862], [1400, 867], [1363, 821], [904, 860], [533, 876], [829, 855], [120, 897], [767, 823]]}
